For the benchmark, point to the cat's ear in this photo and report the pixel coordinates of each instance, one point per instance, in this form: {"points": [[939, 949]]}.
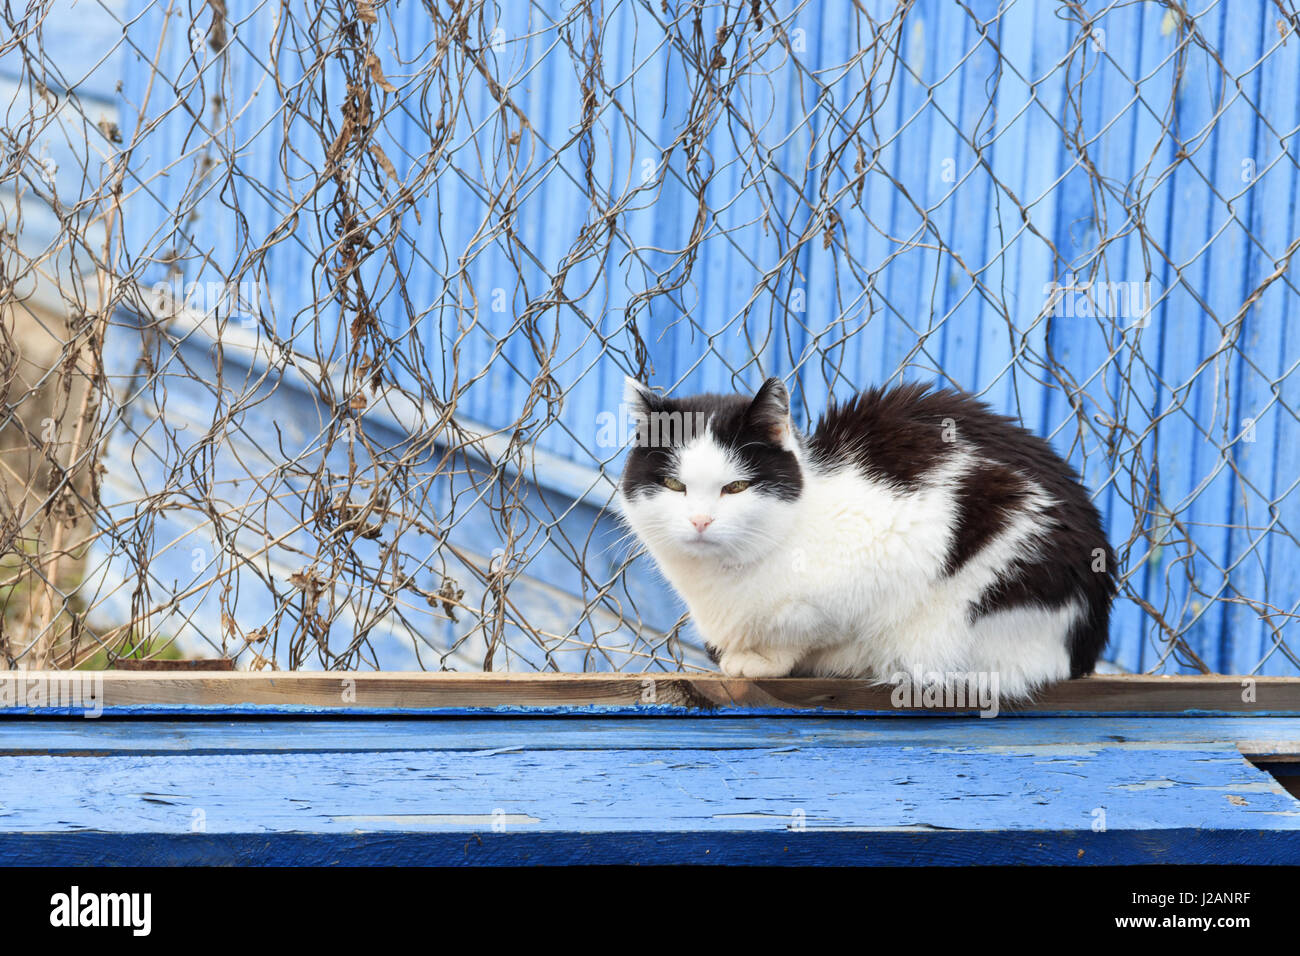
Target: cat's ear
{"points": [[770, 412], [639, 404], [638, 397]]}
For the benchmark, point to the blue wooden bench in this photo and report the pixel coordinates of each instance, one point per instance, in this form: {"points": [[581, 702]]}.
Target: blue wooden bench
{"points": [[312, 768]]}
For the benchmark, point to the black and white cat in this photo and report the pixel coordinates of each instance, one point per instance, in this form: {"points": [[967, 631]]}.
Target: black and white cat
{"points": [[914, 532]]}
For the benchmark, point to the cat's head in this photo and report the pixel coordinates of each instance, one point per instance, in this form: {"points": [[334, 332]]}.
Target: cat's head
{"points": [[713, 477]]}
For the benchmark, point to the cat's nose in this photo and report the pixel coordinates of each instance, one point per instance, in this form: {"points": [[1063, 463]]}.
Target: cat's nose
{"points": [[701, 522]]}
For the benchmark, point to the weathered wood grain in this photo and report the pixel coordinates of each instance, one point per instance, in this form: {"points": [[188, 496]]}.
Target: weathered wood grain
{"points": [[304, 692], [616, 790], [1274, 738], [527, 788], [991, 798]]}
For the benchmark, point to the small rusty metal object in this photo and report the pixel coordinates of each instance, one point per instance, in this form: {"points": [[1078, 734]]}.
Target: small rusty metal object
{"points": [[203, 664]]}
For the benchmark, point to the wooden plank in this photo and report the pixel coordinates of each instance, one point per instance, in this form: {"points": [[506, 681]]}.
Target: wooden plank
{"points": [[302, 692], [669, 790], [1272, 738], [883, 804]]}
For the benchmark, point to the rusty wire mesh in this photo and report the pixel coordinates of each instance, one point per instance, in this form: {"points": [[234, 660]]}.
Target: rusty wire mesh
{"points": [[439, 234]]}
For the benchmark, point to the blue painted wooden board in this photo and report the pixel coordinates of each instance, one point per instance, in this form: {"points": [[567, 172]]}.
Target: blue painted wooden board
{"points": [[1258, 736], [736, 848], [528, 790]]}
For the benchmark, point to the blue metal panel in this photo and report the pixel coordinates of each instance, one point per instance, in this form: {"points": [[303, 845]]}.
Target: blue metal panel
{"points": [[425, 639], [82, 47], [703, 334], [66, 126], [1268, 456]]}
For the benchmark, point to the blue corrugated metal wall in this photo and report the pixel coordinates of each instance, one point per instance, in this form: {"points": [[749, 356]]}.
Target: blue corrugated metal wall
{"points": [[954, 265], [70, 137]]}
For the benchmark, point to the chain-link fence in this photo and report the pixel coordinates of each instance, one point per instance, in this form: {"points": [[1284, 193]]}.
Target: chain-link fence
{"points": [[315, 318]]}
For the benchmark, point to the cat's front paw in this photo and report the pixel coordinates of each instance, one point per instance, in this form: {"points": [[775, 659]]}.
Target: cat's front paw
{"points": [[751, 664]]}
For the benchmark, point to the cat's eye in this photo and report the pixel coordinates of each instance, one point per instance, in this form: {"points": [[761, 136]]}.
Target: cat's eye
{"points": [[672, 484], [734, 487]]}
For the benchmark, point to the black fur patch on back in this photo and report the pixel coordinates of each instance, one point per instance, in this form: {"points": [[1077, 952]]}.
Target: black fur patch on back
{"points": [[988, 497], [894, 435], [900, 435]]}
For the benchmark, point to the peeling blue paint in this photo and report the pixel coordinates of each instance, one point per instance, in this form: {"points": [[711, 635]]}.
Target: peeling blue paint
{"points": [[609, 790]]}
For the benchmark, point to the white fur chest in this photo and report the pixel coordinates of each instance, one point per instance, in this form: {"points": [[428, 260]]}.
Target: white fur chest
{"points": [[857, 558]]}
